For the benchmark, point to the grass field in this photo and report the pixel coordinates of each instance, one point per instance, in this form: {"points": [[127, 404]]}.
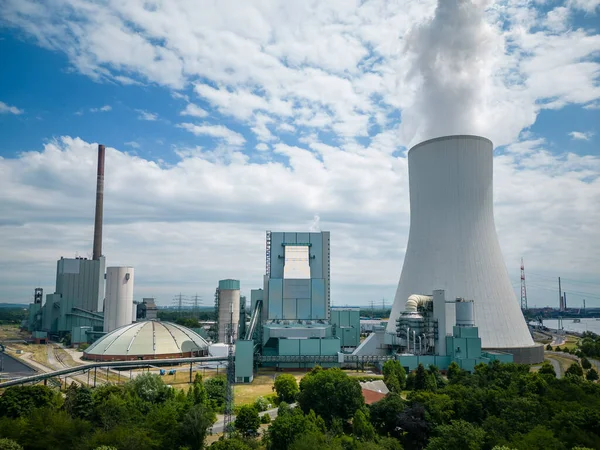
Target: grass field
{"points": [[571, 342], [261, 386]]}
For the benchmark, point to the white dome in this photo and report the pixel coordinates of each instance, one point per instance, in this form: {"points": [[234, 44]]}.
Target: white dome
{"points": [[147, 340]]}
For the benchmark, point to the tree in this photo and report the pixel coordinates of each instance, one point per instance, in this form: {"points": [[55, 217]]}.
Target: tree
{"points": [[197, 393], [149, 387], [216, 390], [574, 370], [549, 347], [384, 414], [286, 388], [547, 369], [289, 425], [557, 348], [421, 379], [330, 393], [540, 438], [458, 434], [247, 420], [261, 404], [79, 402], [592, 375], [361, 427], [9, 444], [394, 375], [454, 371], [585, 363], [412, 427], [106, 447], [195, 424], [49, 429], [20, 401], [230, 444]]}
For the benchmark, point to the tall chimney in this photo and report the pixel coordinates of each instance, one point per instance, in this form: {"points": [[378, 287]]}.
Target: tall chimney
{"points": [[99, 204]]}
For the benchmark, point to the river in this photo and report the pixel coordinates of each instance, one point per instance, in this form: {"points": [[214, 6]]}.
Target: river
{"points": [[592, 325]]}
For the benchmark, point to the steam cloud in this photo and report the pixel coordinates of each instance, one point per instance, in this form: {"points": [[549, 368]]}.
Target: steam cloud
{"points": [[453, 57]]}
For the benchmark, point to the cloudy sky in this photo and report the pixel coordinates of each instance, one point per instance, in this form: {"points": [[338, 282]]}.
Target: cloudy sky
{"points": [[223, 119]]}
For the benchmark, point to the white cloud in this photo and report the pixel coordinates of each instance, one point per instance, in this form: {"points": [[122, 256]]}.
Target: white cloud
{"points": [[145, 115], [104, 108], [159, 216], [7, 109], [262, 147], [593, 105], [351, 64], [194, 111], [216, 131], [132, 144], [581, 136]]}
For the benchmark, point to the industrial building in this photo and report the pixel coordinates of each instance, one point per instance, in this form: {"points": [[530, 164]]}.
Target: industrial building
{"points": [[291, 314], [227, 304], [77, 305], [147, 340], [453, 245]]}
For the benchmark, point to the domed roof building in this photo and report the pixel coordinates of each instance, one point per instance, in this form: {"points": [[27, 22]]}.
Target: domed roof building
{"points": [[147, 340]]}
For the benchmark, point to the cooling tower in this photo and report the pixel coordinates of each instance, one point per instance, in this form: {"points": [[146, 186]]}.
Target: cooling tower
{"points": [[452, 244]]}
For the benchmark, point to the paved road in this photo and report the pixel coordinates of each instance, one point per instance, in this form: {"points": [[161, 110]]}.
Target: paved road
{"points": [[556, 366], [557, 340]]}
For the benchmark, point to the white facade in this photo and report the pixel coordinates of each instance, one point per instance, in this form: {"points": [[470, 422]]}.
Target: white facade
{"points": [[452, 243], [118, 307], [229, 309], [147, 339]]}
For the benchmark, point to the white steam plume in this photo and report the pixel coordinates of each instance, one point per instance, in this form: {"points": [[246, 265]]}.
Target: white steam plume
{"points": [[453, 58]]}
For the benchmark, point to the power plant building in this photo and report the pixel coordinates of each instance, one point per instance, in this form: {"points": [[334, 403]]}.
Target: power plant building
{"points": [[147, 340], [228, 309], [453, 245]]}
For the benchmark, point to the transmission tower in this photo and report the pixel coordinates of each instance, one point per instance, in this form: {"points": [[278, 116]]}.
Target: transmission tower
{"points": [[523, 288], [197, 302], [230, 375]]}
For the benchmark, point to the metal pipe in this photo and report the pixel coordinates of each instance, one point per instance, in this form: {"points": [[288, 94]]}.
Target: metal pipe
{"points": [[414, 341], [420, 346], [407, 339], [99, 205]]}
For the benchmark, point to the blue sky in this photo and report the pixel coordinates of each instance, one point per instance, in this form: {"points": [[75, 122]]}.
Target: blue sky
{"points": [[223, 122]]}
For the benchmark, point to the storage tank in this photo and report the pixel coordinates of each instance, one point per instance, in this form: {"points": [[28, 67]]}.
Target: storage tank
{"points": [[464, 313], [452, 243], [118, 307], [229, 305]]}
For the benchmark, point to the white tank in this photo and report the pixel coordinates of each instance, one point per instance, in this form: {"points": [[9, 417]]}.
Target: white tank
{"points": [[119, 297], [229, 306], [464, 313], [452, 242]]}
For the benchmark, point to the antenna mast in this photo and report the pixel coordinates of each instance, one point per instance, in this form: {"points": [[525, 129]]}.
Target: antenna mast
{"points": [[523, 288]]}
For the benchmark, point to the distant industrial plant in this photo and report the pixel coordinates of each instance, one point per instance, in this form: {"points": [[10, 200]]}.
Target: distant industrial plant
{"points": [[454, 300]]}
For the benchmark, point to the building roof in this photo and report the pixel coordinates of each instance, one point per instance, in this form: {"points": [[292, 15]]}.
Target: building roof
{"points": [[147, 338], [376, 386], [372, 396]]}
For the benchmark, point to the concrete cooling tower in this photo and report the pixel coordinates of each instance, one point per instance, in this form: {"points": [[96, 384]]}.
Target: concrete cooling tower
{"points": [[452, 243]]}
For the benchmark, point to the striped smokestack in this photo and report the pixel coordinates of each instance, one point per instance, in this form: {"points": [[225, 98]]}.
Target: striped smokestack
{"points": [[99, 205]]}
